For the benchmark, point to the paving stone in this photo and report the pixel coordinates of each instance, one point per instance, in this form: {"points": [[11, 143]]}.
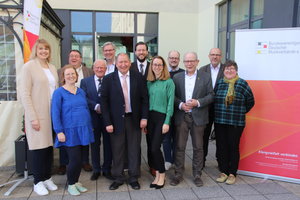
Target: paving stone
{"points": [[210, 192]]}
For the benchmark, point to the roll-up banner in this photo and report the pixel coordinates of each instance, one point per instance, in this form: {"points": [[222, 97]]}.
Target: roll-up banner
{"points": [[269, 59]]}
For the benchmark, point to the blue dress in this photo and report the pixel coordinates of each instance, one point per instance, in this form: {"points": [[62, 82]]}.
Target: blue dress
{"points": [[71, 115]]}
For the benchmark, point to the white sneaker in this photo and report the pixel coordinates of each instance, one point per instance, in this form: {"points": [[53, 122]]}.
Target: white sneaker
{"points": [[50, 185], [168, 165], [40, 189]]}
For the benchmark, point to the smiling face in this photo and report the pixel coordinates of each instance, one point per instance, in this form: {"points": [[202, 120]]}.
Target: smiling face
{"points": [[173, 59], [230, 72], [99, 68], [75, 59], [190, 62], [109, 52], [157, 67], [42, 51], [123, 63], [141, 52], [70, 76]]}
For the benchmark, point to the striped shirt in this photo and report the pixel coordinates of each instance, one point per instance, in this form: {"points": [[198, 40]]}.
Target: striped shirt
{"points": [[233, 114]]}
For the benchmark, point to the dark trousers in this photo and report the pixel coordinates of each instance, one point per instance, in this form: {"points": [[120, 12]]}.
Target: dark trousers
{"points": [[228, 141], [130, 139], [169, 143], [75, 163], [42, 163], [207, 132], [148, 141], [155, 123], [182, 131], [63, 155], [99, 131]]}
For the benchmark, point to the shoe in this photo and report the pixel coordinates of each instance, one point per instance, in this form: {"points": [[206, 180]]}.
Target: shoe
{"points": [[87, 167], [230, 180], [175, 180], [160, 186], [40, 189], [115, 185], [168, 165], [135, 185], [108, 175], [198, 181], [152, 172], [153, 185], [80, 188], [73, 190], [95, 176], [61, 170], [222, 178], [50, 185]]}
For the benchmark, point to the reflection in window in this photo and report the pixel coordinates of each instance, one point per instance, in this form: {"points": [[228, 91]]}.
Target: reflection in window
{"points": [[239, 11], [232, 45], [114, 22], [7, 65], [257, 24], [258, 8], [81, 21], [84, 43], [152, 45], [223, 16], [222, 43], [147, 23]]}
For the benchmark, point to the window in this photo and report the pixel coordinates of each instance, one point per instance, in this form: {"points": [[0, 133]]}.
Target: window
{"points": [[7, 65]]}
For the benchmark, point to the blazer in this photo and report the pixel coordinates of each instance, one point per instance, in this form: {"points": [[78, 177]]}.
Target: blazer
{"points": [[113, 104], [203, 92], [88, 85], [85, 70], [206, 68], [36, 100], [136, 68]]}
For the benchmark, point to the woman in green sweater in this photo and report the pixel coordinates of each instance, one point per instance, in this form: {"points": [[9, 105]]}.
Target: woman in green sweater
{"points": [[161, 105]]}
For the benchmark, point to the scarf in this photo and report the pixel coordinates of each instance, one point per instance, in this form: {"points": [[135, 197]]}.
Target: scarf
{"points": [[230, 92]]}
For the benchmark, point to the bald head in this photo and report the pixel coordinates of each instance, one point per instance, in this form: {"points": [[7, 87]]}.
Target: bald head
{"points": [[99, 68], [215, 56]]}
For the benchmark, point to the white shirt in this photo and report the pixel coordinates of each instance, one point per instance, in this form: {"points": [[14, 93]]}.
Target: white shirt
{"points": [[214, 74], [51, 80], [97, 87], [144, 65], [110, 69], [80, 76], [128, 86]]}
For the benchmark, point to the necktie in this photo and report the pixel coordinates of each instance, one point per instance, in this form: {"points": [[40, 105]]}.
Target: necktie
{"points": [[99, 87], [142, 68], [125, 93]]}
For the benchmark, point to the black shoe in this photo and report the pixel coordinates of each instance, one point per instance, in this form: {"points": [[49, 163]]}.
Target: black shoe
{"points": [[198, 181], [135, 185], [153, 185], [108, 175], [115, 185], [87, 167], [61, 170], [175, 180], [95, 176], [160, 186]]}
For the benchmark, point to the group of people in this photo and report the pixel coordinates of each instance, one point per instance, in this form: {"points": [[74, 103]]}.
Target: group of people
{"points": [[119, 101]]}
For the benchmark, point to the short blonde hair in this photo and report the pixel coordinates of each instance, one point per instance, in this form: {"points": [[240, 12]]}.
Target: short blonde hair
{"points": [[34, 49], [62, 74], [165, 75]]}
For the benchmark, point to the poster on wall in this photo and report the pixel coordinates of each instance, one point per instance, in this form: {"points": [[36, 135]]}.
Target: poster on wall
{"points": [[269, 59]]}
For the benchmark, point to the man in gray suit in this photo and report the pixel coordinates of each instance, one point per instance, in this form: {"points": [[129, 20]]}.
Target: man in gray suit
{"points": [[193, 94], [215, 69]]}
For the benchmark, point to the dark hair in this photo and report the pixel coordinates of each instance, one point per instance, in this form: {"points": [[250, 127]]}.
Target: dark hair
{"points": [[140, 43], [75, 50], [230, 63]]}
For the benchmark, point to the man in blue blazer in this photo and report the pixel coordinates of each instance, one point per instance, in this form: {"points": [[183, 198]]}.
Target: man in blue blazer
{"points": [[92, 85], [124, 101]]}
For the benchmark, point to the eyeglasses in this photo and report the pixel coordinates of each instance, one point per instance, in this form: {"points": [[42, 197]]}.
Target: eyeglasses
{"points": [[189, 61], [108, 50], [74, 56], [215, 54], [230, 69], [173, 58]]}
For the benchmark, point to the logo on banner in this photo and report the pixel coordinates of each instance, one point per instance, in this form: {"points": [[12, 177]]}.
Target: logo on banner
{"points": [[262, 47]]}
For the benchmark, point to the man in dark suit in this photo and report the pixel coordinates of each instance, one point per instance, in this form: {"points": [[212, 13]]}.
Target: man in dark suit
{"points": [[124, 101], [215, 70], [92, 85], [193, 94], [142, 65], [75, 59]]}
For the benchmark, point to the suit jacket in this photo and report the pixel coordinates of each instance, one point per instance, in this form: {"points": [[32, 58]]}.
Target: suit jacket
{"points": [[113, 104], [203, 92], [88, 85], [86, 73], [134, 67], [206, 68], [35, 97]]}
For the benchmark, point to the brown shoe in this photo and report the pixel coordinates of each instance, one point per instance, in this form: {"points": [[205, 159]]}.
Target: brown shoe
{"points": [[175, 180], [87, 167], [61, 170], [198, 181]]}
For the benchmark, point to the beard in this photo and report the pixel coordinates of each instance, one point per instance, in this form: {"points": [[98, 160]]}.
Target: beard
{"points": [[141, 60]]}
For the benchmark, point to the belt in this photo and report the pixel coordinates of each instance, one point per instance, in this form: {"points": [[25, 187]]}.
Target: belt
{"points": [[128, 114]]}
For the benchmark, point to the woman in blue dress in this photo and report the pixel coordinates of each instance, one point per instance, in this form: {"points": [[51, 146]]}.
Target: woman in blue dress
{"points": [[72, 124]]}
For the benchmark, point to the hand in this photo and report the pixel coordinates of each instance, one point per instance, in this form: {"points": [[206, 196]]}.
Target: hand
{"points": [[110, 129], [61, 137], [192, 103], [185, 107], [165, 128], [35, 125], [143, 123]]}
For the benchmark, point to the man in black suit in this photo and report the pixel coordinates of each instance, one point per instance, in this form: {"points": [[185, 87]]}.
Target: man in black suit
{"points": [[215, 70], [92, 85], [124, 101]]}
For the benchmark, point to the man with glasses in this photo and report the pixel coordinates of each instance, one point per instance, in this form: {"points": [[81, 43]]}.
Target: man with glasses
{"points": [[193, 94], [109, 53], [215, 69], [169, 139]]}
